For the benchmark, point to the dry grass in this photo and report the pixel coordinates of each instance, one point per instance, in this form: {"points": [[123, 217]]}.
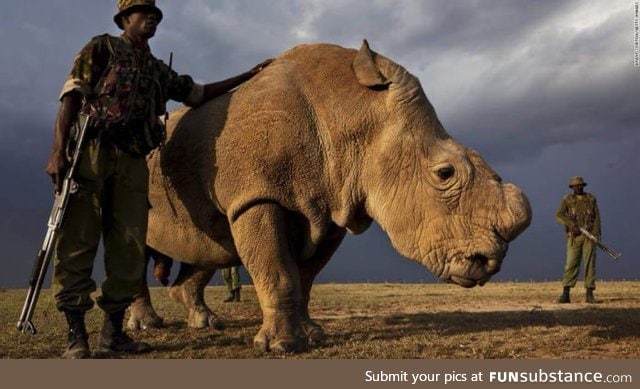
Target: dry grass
{"points": [[500, 320]]}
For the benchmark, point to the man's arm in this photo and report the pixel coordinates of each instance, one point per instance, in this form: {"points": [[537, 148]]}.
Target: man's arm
{"points": [[596, 223], [562, 218], [216, 89], [88, 67], [69, 108]]}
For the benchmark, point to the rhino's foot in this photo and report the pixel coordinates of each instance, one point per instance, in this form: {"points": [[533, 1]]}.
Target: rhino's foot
{"points": [[264, 343], [203, 317], [200, 316], [143, 316], [314, 331], [285, 338]]}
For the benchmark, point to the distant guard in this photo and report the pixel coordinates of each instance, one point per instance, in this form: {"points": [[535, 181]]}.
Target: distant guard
{"points": [[579, 210]]}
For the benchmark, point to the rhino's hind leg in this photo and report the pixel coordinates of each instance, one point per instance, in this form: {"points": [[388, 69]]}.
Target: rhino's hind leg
{"points": [[141, 312], [308, 271], [161, 266], [261, 237], [188, 291]]}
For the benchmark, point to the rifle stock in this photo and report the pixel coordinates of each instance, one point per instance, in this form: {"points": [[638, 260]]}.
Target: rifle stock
{"points": [[41, 264]]}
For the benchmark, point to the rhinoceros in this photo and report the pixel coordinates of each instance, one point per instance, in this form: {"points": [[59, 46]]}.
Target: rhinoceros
{"points": [[322, 142]]}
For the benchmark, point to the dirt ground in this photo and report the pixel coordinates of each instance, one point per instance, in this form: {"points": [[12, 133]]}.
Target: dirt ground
{"points": [[514, 320]]}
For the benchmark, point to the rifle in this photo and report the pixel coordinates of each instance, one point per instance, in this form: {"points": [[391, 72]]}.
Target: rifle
{"points": [[60, 203], [166, 113], [613, 254]]}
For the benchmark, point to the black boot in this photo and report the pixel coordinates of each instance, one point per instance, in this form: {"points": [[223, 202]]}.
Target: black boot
{"points": [[78, 344], [113, 339], [589, 298], [236, 298], [230, 297], [564, 299]]}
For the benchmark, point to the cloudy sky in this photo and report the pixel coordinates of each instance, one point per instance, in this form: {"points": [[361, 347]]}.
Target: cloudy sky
{"points": [[544, 90]]}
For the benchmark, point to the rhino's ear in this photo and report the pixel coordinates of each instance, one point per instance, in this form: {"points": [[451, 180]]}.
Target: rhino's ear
{"points": [[366, 69]]}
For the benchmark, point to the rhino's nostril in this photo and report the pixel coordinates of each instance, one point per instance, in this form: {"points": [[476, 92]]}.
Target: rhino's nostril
{"points": [[478, 258], [490, 265]]}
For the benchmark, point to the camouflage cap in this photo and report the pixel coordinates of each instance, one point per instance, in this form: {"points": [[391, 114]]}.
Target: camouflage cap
{"points": [[125, 6], [576, 181]]}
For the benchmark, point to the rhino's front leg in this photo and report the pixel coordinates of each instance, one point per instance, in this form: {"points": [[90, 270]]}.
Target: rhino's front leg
{"points": [[188, 290], [261, 238], [309, 269]]}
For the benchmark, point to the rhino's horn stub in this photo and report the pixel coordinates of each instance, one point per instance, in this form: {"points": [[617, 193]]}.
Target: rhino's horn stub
{"points": [[366, 69]]}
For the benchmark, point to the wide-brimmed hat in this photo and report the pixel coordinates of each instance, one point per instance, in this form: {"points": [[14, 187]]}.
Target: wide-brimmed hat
{"points": [[125, 6], [576, 181]]}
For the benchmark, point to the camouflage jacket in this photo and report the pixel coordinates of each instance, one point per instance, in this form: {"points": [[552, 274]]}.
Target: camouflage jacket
{"points": [[581, 210], [125, 89]]}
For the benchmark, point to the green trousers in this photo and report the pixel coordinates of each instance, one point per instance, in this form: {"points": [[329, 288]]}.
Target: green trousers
{"points": [[112, 202], [231, 277], [580, 249]]}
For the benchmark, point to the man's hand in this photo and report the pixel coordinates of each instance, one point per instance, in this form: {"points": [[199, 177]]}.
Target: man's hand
{"points": [[258, 68], [58, 164], [215, 89], [56, 168]]}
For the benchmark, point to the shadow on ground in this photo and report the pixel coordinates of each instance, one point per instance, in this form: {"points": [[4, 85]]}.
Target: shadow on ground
{"points": [[609, 323]]}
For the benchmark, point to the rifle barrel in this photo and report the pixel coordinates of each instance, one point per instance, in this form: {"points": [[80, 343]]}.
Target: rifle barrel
{"points": [[612, 253]]}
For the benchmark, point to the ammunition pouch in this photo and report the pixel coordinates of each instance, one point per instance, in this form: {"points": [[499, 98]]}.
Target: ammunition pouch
{"points": [[136, 138]]}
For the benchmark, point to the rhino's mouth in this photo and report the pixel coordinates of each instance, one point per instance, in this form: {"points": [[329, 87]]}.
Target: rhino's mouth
{"points": [[465, 252], [468, 282], [474, 269]]}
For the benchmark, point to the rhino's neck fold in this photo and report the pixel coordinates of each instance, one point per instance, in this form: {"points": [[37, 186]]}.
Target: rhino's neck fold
{"points": [[393, 187]]}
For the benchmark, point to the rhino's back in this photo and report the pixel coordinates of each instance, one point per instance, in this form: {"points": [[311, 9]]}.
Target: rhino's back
{"points": [[285, 130]]}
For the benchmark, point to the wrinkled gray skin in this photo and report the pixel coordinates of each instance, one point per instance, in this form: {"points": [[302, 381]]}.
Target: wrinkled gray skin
{"points": [[320, 143]]}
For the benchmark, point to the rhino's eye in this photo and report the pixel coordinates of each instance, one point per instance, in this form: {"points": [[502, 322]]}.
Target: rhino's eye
{"points": [[444, 173]]}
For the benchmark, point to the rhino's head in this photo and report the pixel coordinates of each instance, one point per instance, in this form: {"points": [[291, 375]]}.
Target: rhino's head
{"points": [[439, 201]]}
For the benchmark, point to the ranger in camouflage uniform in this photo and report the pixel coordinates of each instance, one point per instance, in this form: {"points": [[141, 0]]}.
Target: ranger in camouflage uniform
{"points": [[123, 88], [231, 278], [579, 209]]}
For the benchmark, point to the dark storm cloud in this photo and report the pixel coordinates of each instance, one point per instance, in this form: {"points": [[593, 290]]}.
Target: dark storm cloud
{"points": [[576, 86], [432, 27], [523, 128], [543, 89]]}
